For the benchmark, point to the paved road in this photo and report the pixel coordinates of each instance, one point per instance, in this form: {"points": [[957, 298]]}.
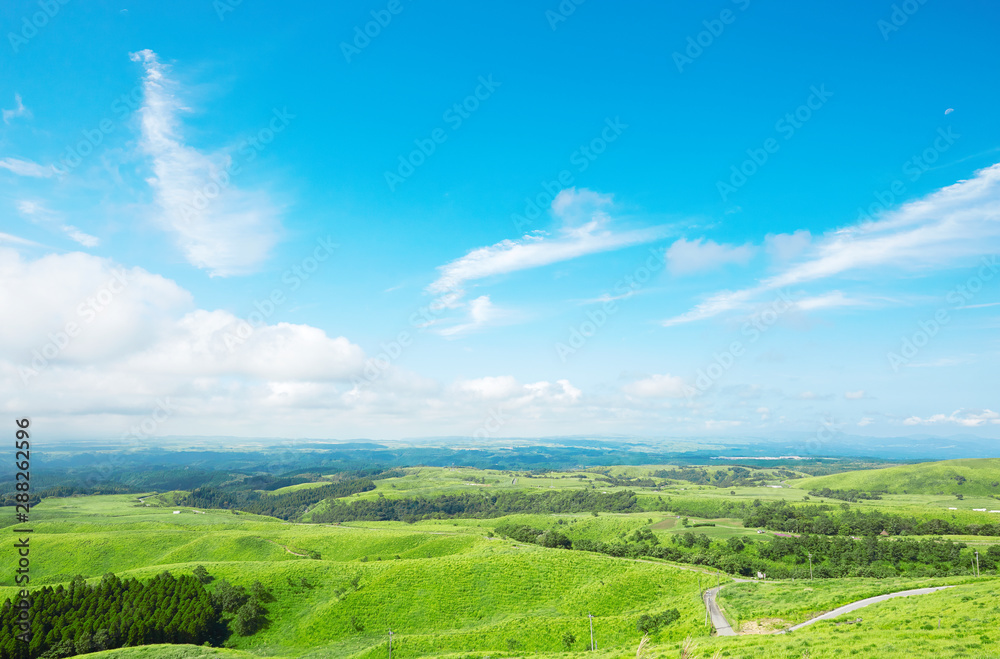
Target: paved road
{"points": [[854, 606], [722, 627]]}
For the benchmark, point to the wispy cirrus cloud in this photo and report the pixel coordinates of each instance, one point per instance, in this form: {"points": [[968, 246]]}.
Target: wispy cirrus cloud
{"points": [[36, 212], [955, 222], [28, 168], [220, 227], [17, 111], [583, 228]]}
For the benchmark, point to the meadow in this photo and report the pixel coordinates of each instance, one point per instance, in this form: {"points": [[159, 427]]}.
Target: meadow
{"points": [[451, 587]]}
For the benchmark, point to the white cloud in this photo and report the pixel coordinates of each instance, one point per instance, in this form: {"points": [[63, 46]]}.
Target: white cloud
{"points": [[28, 168], [830, 300], [855, 395], [17, 240], [967, 418], [219, 226], [143, 327], [786, 246], [684, 257], [657, 386], [18, 111], [481, 312], [865, 421], [954, 223], [583, 230]]}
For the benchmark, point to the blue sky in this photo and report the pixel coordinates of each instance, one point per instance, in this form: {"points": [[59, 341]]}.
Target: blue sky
{"points": [[525, 219]]}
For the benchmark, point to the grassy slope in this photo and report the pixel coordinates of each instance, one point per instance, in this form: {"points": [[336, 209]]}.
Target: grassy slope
{"points": [[906, 627], [452, 589], [925, 478], [787, 603]]}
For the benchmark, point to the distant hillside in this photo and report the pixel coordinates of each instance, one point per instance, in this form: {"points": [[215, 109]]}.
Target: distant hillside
{"points": [[981, 477]]}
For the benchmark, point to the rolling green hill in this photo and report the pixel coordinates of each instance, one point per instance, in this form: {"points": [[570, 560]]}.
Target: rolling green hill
{"points": [[981, 478], [441, 589]]}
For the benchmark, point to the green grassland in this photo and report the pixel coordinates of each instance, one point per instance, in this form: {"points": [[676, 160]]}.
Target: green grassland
{"points": [[451, 588], [982, 478], [440, 588], [783, 603]]}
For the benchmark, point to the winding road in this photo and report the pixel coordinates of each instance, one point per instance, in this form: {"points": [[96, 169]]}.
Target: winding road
{"points": [[723, 628], [854, 606]]}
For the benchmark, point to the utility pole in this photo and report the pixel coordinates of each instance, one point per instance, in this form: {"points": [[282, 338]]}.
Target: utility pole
{"points": [[390, 644], [592, 646], [977, 562], [810, 567]]}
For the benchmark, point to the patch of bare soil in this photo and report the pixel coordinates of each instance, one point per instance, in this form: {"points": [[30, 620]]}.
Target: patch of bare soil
{"points": [[765, 626]]}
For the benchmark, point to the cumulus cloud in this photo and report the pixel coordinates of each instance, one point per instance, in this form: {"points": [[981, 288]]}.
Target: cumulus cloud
{"points": [[77, 312], [685, 257], [786, 246], [219, 226], [967, 418], [954, 223], [855, 395]]}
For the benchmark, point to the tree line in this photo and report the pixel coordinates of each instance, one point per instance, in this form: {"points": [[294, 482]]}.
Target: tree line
{"points": [[79, 618], [287, 505], [781, 557], [475, 504]]}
